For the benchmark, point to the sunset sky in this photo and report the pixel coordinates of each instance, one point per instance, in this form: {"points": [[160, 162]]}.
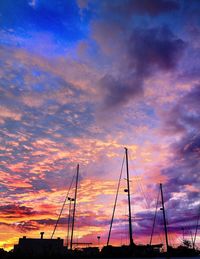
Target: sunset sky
{"points": [[81, 80]]}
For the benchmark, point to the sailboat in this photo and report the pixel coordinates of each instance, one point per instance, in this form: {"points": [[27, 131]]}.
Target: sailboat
{"points": [[131, 249]]}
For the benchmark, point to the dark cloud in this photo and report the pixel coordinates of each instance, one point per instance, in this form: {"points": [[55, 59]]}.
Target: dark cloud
{"points": [[82, 221], [157, 47], [15, 210], [51, 221], [117, 91], [147, 51], [143, 7], [26, 226], [128, 8]]}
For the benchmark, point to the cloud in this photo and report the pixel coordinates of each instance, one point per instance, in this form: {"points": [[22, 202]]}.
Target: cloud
{"points": [[157, 47], [134, 7], [26, 226], [49, 97], [6, 113], [117, 92], [135, 45], [156, 7], [183, 170], [15, 210], [148, 51], [184, 116]]}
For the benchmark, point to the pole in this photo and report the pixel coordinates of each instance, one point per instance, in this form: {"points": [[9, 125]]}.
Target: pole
{"points": [[73, 218], [164, 217], [192, 239], [98, 237], [129, 199], [68, 224]]}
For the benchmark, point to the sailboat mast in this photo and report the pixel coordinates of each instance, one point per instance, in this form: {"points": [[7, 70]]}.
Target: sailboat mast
{"points": [[74, 210], [129, 199], [69, 216], [164, 217]]}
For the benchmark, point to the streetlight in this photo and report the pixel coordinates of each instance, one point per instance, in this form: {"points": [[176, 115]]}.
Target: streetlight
{"points": [[70, 202]]}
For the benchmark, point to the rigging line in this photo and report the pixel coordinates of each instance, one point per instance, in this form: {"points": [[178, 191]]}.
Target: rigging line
{"points": [[178, 238], [172, 239], [191, 236], [62, 207], [170, 234], [154, 220], [195, 235], [140, 185], [115, 203], [143, 193]]}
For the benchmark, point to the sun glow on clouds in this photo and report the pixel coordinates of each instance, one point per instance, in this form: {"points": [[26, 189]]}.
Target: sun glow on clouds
{"points": [[68, 97]]}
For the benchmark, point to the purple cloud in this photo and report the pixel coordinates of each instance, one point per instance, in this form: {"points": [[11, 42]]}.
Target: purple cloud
{"points": [[148, 51], [14, 210], [183, 171], [135, 7]]}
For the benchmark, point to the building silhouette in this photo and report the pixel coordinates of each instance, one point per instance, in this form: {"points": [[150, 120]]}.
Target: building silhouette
{"points": [[39, 246]]}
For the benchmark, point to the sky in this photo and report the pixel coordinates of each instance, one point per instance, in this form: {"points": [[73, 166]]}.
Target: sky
{"points": [[81, 80]]}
